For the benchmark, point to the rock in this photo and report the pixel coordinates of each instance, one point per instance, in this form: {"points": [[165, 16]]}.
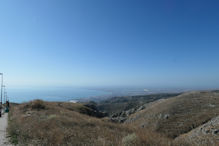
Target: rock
{"points": [[123, 116], [211, 105], [140, 108], [118, 119], [207, 131], [166, 116], [216, 132]]}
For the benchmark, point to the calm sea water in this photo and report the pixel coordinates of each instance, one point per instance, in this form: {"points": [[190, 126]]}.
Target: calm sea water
{"points": [[52, 94]]}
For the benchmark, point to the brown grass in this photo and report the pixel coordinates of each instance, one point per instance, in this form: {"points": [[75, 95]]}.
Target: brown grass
{"points": [[54, 124], [43, 123], [57, 123], [175, 116]]}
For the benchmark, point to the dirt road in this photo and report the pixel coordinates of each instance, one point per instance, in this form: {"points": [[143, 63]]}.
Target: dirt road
{"points": [[3, 127]]}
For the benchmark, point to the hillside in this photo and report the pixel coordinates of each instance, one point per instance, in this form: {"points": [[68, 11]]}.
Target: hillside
{"points": [[117, 105], [206, 134], [57, 123], [185, 119], [47, 123], [178, 115]]}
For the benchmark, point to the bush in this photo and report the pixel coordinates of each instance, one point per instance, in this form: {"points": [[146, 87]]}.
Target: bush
{"points": [[38, 105], [129, 140]]}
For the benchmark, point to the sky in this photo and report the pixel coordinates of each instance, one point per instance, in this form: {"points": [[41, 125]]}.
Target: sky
{"points": [[159, 43]]}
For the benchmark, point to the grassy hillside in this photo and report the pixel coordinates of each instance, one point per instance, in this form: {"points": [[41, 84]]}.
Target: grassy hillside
{"points": [[178, 115], [187, 119], [118, 104], [206, 134], [54, 124], [43, 123]]}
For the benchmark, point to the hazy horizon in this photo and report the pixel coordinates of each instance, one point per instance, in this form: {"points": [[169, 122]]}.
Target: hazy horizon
{"points": [[118, 43], [67, 93]]}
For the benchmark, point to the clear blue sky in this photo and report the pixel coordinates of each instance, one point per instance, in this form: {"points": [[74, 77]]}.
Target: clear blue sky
{"points": [[165, 43]]}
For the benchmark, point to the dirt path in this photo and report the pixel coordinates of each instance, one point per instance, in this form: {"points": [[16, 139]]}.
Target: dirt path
{"points": [[3, 126]]}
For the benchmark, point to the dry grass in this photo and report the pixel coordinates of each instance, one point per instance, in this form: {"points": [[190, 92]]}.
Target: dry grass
{"points": [[151, 138], [178, 115], [43, 123], [53, 124], [206, 134], [56, 123]]}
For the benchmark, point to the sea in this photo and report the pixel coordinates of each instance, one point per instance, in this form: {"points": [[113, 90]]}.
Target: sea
{"points": [[74, 94], [67, 94]]}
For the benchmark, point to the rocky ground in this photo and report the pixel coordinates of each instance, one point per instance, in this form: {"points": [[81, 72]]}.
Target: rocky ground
{"points": [[206, 134]]}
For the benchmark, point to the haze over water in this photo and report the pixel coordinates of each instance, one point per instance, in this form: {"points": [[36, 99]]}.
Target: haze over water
{"points": [[78, 43], [20, 95], [66, 94]]}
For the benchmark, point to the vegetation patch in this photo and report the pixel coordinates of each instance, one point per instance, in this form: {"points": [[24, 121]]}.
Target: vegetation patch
{"points": [[159, 123], [38, 105], [129, 140], [61, 124]]}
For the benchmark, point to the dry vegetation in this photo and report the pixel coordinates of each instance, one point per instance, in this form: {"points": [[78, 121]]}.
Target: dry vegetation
{"points": [[43, 123], [118, 104], [56, 123], [175, 116], [47, 123], [206, 134]]}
